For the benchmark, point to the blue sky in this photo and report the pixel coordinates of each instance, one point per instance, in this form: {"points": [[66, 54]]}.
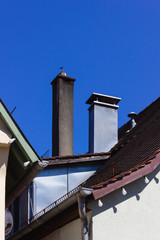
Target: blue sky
{"points": [[110, 47]]}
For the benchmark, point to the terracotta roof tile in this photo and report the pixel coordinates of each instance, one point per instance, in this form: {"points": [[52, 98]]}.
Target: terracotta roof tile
{"points": [[134, 149]]}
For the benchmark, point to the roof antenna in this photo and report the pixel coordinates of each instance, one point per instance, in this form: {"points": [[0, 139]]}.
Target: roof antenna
{"points": [[13, 109], [46, 154]]}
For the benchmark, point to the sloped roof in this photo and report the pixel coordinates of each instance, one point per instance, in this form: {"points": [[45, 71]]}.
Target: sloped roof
{"points": [[136, 154], [134, 150], [87, 158], [18, 176]]}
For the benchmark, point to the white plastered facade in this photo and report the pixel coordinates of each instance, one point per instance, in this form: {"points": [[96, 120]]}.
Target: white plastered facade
{"points": [[71, 231], [135, 216], [5, 137]]}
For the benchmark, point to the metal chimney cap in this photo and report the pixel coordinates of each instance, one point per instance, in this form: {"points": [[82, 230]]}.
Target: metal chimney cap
{"points": [[132, 115], [102, 98]]}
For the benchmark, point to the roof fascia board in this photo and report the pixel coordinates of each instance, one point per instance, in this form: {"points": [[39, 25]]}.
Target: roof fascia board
{"points": [[17, 133], [98, 193], [78, 156], [90, 159]]}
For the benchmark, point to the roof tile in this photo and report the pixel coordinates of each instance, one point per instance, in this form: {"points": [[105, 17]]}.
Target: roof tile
{"points": [[134, 149]]}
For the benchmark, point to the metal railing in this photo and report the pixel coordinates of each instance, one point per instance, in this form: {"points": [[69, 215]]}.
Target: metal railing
{"points": [[55, 203]]}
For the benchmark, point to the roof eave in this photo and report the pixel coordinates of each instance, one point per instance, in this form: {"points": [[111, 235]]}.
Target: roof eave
{"points": [[17, 133], [36, 168], [51, 211], [101, 192]]}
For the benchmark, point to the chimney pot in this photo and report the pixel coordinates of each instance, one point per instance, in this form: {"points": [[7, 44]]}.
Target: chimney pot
{"points": [[62, 74]]}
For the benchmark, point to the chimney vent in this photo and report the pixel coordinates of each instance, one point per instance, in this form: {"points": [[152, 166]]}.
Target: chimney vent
{"points": [[62, 115], [132, 115], [103, 122]]}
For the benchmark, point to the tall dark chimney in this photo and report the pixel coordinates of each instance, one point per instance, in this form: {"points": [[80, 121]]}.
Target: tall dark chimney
{"points": [[62, 116]]}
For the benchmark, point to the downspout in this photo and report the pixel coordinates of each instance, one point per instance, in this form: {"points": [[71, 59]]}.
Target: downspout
{"points": [[82, 212]]}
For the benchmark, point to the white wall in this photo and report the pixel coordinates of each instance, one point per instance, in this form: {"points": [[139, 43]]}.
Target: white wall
{"points": [[71, 231], [135, 216], [4, 153]]}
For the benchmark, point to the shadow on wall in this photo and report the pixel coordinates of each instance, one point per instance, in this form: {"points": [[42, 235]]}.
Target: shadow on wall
{"points": [[133, 189]]}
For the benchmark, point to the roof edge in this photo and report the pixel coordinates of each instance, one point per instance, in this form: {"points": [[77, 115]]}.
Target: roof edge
{"points": [[25, 181], [19, 130], [101, 192], [53, 210]]}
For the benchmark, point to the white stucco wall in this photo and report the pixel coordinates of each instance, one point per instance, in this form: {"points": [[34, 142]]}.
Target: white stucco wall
{"points": [[71, 231], [3, 167], [135, 216], [4, 153]]}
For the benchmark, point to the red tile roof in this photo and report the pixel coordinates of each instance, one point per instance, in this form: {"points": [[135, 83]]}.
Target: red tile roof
{"points": [[134, 150], [127, 177]]}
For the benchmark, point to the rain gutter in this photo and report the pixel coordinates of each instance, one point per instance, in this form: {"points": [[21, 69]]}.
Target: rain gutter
{"points": [[57, 207], [25, 181]]}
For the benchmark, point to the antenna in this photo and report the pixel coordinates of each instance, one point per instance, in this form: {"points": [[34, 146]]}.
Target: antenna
{"points": [[46, 154], [13, 109]]}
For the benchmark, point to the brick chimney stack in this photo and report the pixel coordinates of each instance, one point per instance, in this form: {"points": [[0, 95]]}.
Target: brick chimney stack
{"points": [[62, 115]]}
